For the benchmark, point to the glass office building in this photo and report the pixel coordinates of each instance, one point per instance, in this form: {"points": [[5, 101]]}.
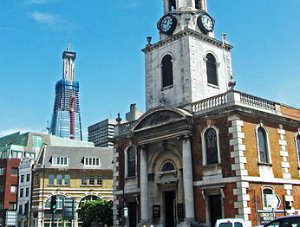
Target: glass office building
{"points": [[66, 120]]}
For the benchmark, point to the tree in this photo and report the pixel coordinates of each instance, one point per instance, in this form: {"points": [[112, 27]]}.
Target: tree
{"points": [[98, 211]]}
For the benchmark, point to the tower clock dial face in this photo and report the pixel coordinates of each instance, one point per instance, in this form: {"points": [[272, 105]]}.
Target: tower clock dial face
{"points": [[167, 24], [205, 22]]}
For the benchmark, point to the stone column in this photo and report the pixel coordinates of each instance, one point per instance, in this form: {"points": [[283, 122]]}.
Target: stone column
{"points": [[188, 179], [144, 195]]}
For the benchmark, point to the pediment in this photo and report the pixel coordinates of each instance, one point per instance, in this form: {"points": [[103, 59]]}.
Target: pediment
{"points": [[160, 117]]}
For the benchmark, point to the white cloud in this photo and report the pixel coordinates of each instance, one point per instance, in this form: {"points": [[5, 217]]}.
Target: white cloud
{"points": [[49, 19], [40, 2], [5, 28]]}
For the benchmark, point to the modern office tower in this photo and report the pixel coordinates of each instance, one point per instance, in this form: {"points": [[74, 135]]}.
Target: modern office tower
{"points": [[102, 132], [66, 119]]}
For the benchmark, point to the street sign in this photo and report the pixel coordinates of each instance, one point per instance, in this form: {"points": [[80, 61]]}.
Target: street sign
{"points": [[266, 217], [68, 209], [273, 201]]}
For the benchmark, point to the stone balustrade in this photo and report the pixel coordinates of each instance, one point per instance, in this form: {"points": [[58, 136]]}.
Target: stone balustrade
{"points": [[218, 102]]}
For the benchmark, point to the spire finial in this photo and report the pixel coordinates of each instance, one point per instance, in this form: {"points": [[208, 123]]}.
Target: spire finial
{"points": [[68, 30]]}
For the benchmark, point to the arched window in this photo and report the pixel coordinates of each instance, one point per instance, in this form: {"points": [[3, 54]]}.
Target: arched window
{"points": [[211, 69], [131, 154], [262, 145], [172, 5], [298, 147], [168, 166], [88, 198], [211, 145], [265, 192], [167, 71], [59, 202]]}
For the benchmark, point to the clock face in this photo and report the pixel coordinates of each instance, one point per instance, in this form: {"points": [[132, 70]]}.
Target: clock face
{"points": [[167, 24], [205, 22]]}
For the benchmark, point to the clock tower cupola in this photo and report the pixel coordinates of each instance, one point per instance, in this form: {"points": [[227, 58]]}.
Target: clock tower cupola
{"points": [[187, 64]]}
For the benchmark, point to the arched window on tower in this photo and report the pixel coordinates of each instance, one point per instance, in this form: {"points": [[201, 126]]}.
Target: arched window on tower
{"points": [[198, 4], [167, 71], [131, 154], [211, 145], [172, 5], [211, 69], [262, 145]]}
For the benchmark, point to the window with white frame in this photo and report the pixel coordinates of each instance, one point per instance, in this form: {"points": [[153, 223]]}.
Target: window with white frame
{"points": [[91, 161], [99, 180], [21, 192], [265, 192], [92, 180], [263, 148], [27, 192], [13, 188], [60, 161], [2, 171], [22, 178], [83, 180], [51, 179], [67, 179], [210, 146], [59, 179]]}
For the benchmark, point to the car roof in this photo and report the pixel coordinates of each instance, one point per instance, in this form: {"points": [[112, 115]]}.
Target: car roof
{"points": [[284, 217], [230, 219]]}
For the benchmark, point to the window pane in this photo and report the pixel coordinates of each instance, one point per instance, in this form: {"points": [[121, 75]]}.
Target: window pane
{"points": [[131, 161], [51, 179], [211, 68], [59, 179], [167, 71], [99, 180], [262, 145], [83, 180], [168, 166], [238, 224], [67, 179], [92, 180], [211, 143]]}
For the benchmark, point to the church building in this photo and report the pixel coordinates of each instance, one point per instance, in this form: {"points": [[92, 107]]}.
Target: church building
{"points": [[203, 150]]}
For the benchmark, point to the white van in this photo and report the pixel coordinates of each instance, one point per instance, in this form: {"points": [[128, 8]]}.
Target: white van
{"points": [[231, 222]]}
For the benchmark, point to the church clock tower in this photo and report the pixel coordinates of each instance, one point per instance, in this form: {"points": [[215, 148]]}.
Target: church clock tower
{"points": [[188, 64]]}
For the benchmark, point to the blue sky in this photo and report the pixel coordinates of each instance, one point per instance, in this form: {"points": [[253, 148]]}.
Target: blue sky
{"points": [[108, 37]]}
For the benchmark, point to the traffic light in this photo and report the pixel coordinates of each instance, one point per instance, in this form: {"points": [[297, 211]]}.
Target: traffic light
{"points": [[53, 205], [288, 205]]}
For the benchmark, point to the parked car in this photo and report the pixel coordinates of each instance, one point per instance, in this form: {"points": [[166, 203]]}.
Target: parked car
{"points": [[231, 222], [286, 221]]}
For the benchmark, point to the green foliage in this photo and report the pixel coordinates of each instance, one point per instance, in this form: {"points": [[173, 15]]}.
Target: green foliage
{"points": [[96, 211]]}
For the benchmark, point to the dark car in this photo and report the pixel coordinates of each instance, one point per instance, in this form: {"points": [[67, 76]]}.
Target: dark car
{"points": [[287, 221]]}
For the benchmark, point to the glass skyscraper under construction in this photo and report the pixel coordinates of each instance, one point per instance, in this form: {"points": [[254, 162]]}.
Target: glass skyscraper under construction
{"points": [[66, 119]]}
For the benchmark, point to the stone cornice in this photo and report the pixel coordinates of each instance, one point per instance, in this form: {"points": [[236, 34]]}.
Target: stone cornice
{"points": [[184, 33]]}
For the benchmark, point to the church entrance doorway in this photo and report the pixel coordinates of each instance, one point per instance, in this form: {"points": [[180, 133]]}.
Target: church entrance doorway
{"points": [[132, 214], [215, 204], [170, 208]]}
